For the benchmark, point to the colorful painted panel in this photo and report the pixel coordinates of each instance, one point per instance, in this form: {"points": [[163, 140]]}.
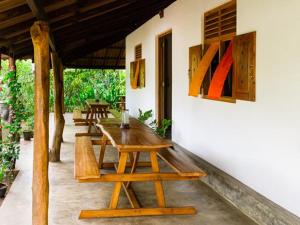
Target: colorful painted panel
{"points": [[220, 75], [137, 74], [202, 68]]}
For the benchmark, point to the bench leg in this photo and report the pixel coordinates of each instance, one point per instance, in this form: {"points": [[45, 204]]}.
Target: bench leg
{"points": [[116, 192], [158, 184]]}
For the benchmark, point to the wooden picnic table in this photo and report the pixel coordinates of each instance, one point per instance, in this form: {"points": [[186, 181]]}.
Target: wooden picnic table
{"points": [[96, 109], [129, 143]]}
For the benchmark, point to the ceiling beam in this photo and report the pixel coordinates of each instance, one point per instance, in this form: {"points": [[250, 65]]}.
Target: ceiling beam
{"points": [[38, 11], [93, 46], [107, 22], [10, 4]]}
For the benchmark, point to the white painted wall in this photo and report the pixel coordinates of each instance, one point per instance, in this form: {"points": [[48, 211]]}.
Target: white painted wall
{"points": [[257, 143]]}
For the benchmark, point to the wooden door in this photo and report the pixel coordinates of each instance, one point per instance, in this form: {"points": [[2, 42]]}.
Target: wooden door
{"points": [[165, 78]]}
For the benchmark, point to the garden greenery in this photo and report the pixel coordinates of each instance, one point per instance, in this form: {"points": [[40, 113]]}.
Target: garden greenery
{"points": [[79, 85], [17, 92]]}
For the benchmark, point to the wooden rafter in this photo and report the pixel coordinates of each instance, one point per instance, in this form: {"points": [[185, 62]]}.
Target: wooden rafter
{"points": [[10, 4], [78, 27]]}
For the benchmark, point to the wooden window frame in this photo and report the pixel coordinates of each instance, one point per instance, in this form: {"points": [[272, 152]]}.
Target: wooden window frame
{"points": [[229, 99], [221, 38]]}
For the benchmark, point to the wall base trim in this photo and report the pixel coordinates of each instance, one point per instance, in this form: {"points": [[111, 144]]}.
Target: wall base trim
{"points": [[252, 204]]}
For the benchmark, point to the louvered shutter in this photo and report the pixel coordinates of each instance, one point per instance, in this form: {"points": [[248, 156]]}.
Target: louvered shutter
{"points": [[220, 22]]}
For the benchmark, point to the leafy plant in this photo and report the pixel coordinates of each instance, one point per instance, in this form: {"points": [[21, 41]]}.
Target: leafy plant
{"points": [[3, 169], [9, 152], [144, 116], [8, 155], [161, 129], [29, 124], [12, 98]]}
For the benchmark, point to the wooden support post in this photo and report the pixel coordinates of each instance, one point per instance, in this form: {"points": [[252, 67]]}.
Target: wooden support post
{"points": [[11, 64], [58, 110], [40, 183]]}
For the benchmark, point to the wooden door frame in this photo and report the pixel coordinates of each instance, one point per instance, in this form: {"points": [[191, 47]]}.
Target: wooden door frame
{"points": [[159, 99]]}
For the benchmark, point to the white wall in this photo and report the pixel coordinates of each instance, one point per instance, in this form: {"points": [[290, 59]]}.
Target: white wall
{"points": [[257, 143]]}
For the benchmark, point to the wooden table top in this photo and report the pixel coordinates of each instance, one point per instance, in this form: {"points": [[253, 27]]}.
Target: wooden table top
{"points": [[138, 136], [93, 102]]}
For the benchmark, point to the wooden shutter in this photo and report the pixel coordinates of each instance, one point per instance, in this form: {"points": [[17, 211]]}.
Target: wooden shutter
{"points": [[220, 23], [244, 55], [195, 55], [138, 52], [202, 68]]}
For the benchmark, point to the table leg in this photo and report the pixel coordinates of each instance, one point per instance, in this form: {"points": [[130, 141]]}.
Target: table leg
{"points": [[88, 113], [91, 120], [116, 193], [158, 184], [102, 150]]}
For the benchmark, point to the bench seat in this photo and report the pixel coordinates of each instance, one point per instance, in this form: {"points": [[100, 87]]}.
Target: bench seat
{"points": [[77, 115], [115, 113], [86, 165], [181, 163]]}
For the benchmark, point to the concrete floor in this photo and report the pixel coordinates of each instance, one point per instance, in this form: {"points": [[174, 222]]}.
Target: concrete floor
{"points": [[67, 197]]}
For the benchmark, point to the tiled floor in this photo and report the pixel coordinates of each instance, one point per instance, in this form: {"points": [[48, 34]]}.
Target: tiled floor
{"points": [[67, 196]]}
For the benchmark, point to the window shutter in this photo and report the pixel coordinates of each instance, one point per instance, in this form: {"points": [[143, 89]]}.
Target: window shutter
{"points": [[202, 68], [138, 52], [195, 55], [244, 66], [219, 23]]}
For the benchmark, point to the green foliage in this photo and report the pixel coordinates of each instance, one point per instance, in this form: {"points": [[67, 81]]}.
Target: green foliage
{"points": [[82, 84], [161, 129], [143, 117], [9, 153], [29, 124], [12, 98], [79, 85], [3, 169]]}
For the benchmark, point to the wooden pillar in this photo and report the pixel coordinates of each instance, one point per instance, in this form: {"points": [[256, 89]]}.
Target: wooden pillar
{"points": [[40, 183], [11, 64], [58, 109]]}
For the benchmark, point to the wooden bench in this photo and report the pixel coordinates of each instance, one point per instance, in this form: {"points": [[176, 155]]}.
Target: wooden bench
{"points": [[86, 166], [115, 113], [78, 118], [108, 121], [77, 115], [181, 163]]}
